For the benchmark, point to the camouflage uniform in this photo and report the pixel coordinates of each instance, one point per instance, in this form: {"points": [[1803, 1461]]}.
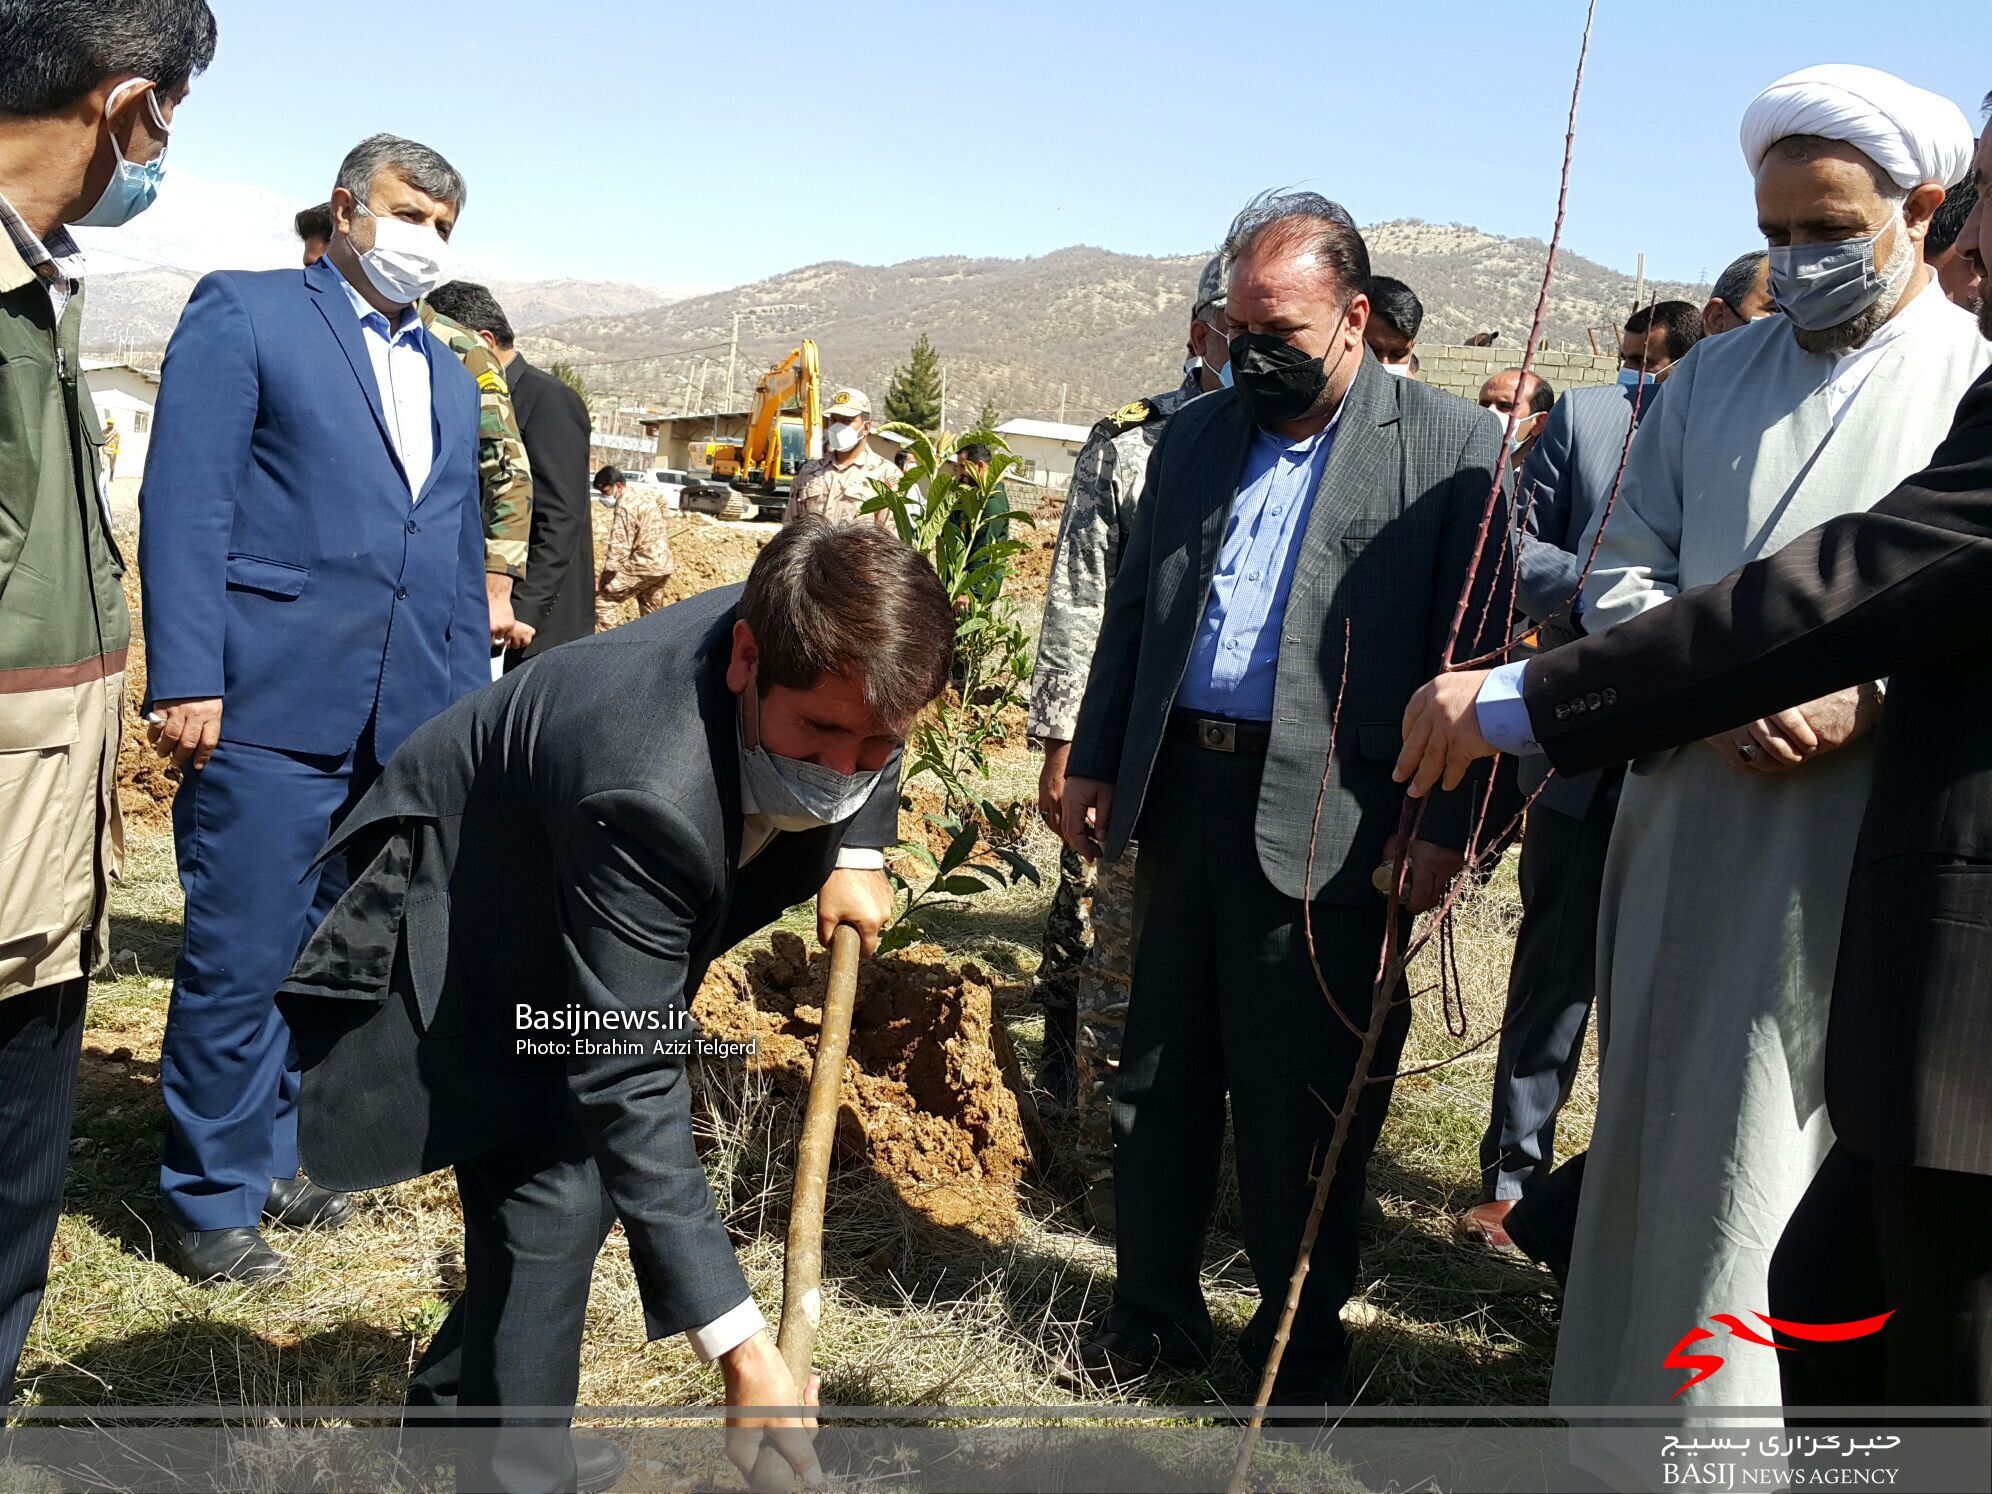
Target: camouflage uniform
{"points": [[822, 487], [1083, 977], [504, 477], [638, 561]]}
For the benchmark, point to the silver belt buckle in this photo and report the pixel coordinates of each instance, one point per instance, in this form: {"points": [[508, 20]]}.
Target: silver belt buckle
{"points": [[1218, 736]]}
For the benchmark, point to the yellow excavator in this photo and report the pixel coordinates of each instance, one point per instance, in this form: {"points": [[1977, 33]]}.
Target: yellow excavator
{"points": [[779, 440]]}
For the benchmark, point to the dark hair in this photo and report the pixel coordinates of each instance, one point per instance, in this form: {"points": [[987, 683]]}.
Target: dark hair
{"points": [[1948, 221], [1304, 220], [314, 223], [904, 458], [607, 478], [1732, 287], [469, 304], [850, 600], [58, 50], [1397, 304], [1542, 394], [1680, 320], [975, 451]]}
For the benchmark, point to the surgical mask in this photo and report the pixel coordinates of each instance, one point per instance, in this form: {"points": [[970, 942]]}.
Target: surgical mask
{"points": [[134, 186], [1277, 382], [1398, 370], [1822, 285], [407, 260], [843, 435], [795, 795], [1224, 377], [1632, 378]]}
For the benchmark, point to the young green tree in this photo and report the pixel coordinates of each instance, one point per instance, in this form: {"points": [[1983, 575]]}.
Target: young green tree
{"points": [[914, 396], [990, 418]]}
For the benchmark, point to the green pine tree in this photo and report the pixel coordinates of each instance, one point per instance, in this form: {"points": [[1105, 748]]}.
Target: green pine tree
{"points": [[570, 376], [914, 396], [991, 417]]}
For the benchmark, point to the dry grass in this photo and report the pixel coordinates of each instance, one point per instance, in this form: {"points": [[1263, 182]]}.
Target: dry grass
{"points": [[913, 1315]]}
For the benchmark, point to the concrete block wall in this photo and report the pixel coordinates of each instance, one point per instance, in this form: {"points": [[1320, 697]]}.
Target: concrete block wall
{"points": [[1463, 370]]}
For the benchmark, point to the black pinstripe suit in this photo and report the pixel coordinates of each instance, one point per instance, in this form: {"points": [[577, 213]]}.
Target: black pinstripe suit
{"points": [[41, 1037], [1901, 1217]]}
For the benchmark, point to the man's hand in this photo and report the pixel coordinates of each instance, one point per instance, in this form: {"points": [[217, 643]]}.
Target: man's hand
{"points": [[603, 581], [1788, 738], [185, 728], [519, 635], [1430, 872], [1084, 807], [755, 1377], [498, 598], [859, 896], [1442, 733], [1051, 781]]}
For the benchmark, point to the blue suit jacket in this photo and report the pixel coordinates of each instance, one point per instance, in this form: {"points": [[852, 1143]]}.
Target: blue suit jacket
{"points": [[285, 568]]}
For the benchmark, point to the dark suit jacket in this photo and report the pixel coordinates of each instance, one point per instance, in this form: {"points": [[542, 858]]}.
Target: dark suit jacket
{"points": [[557, 595], [1387, 548], [1899, 591], [1566, 481], [280, 547], [566, 839]]}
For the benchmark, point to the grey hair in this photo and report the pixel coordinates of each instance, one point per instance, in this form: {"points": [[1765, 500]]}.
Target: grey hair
{"points": [[1310, 221], [1812, 147], [422, 168], [1739, 277]]}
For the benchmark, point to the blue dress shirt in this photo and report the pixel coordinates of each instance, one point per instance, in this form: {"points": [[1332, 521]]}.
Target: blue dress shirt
{"points": [[1236, 655]]}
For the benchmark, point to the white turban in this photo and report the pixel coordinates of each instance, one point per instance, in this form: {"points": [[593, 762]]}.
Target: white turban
{"points": [[1912, 134]]}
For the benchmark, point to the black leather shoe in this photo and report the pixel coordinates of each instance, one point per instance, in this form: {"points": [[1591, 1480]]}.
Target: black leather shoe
{"points": [[598, 1463], [299, 1203], [216, 1255], [1114, 1357]]}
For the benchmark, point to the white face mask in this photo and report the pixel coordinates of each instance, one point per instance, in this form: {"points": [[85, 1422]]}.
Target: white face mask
{"points": [[842, 436], [1401, 370], [407, 261]]}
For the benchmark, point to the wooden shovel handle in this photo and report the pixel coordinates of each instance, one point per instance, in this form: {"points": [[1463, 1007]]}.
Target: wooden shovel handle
{"points": [[802, 1267]]}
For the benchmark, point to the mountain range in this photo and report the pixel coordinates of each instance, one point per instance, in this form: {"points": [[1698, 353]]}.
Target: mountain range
{"points": [[1068, 334]]}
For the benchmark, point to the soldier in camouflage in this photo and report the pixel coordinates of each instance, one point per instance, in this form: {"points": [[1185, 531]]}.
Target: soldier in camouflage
{"points": [[1084, 974], [637, 564], [504, 476]]}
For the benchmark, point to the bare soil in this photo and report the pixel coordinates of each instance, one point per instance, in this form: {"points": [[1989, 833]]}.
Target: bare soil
{"points": [[930, 1083]]}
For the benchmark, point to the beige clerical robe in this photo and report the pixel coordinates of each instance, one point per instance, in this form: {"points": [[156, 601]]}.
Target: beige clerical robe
{"points": [[1720, 915]]}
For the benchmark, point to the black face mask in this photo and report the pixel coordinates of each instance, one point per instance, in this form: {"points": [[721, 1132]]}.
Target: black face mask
{"points": [[1276, 382]]}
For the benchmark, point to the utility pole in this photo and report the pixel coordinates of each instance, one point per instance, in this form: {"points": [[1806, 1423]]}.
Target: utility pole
{"points": [[944, 396], [734, 349], [1061, 402], [1639, 285]]}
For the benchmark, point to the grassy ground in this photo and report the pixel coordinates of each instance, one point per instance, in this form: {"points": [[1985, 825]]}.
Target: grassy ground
{"points": [[912, 1316]]}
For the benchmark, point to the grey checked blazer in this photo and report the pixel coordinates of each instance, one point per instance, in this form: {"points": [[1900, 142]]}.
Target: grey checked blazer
{"points": [[1386, 551]]}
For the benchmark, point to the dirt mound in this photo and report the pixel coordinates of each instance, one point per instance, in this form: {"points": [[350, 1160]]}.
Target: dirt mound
{"points": [[146, 782], [930, 1084], [709, 553]]}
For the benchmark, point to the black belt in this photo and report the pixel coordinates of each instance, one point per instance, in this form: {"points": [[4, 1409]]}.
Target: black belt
{"points": [[1218, 733]]}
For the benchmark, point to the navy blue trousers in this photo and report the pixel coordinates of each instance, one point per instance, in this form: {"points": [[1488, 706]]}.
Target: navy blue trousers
{"points": [[246, 830], [41, 1040]]}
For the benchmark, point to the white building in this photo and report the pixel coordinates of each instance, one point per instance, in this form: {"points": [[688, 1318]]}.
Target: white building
{"points": [[1046, 448], [124, 397]]}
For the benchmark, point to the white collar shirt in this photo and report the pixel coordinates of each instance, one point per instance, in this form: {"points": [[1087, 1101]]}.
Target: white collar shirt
{"points": [[401, 376], [1852, 368]]}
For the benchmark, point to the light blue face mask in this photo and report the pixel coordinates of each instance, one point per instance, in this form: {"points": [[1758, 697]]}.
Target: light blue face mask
{"points": [[1822, 285], [793, 794], [1632, 378], [1224, 375], [133, 186]]}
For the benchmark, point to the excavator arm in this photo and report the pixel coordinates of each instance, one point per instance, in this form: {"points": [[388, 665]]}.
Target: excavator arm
{"points": [[797, 377]]}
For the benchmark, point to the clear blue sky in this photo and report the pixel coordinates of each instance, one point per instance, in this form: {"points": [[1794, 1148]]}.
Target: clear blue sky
{"points": [[718, 143]]}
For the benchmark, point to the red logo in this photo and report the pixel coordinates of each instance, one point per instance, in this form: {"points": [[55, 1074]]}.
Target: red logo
{"points": [[1705, 1365]]}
